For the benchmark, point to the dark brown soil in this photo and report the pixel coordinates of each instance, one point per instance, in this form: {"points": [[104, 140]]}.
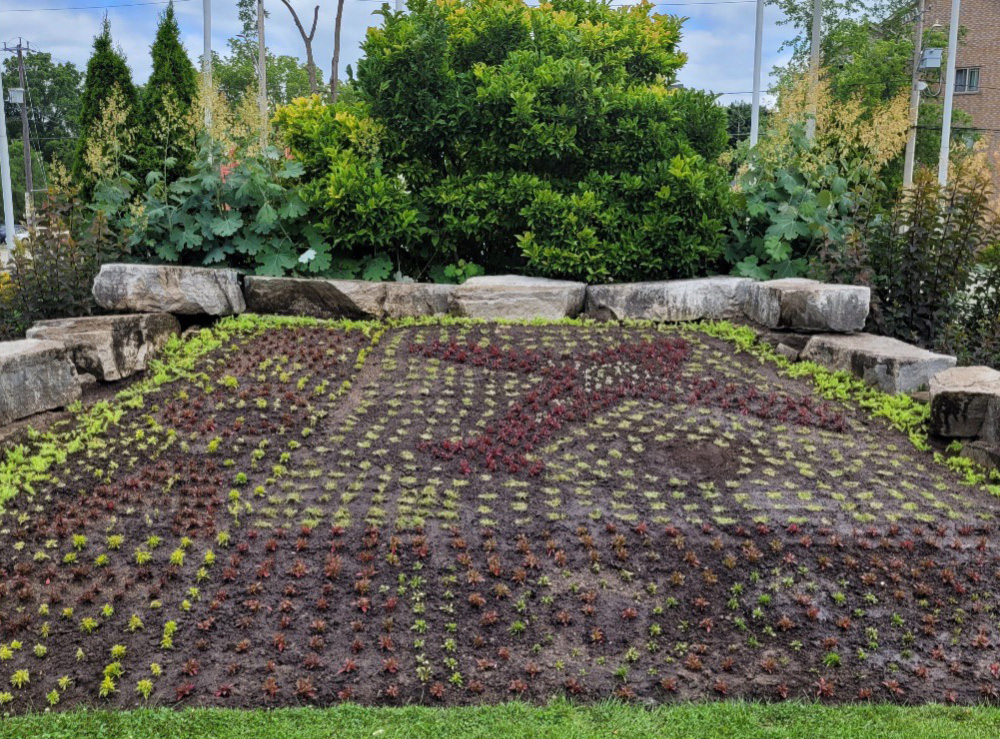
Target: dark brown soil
{"points": [[588, 511]]}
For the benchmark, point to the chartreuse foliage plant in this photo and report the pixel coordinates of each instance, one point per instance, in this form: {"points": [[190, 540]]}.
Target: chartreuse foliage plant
{"points": [[800, 198], [513, 136]]}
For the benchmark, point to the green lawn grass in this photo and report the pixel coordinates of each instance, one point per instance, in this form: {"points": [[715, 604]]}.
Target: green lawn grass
{"points": [[558, 720]]}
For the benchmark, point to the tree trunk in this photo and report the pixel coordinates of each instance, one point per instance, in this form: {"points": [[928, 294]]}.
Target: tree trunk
{"points": [[334, 73], [307, 39]]}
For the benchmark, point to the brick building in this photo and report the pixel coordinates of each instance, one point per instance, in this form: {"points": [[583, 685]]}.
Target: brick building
{"points": [[977, 66]]}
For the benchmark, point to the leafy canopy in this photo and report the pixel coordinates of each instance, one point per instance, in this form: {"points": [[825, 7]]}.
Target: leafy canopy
{"points": [[513, 136]]}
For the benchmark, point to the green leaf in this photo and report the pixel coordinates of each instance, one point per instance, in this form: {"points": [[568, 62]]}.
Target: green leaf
{"points": [[377, 269], [227, 224], [267, 217], [274, 262]]}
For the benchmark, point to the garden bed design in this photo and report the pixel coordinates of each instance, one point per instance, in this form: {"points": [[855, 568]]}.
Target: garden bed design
{"points": [[442, 511]]}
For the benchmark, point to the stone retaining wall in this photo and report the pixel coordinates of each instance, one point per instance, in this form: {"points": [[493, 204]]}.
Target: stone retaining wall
{"points": [[804, 319]]}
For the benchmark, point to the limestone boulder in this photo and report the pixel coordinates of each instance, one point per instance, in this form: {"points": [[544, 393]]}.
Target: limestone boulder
{"points": [[711, 298], [35, 376], [410, 299], [808, 305], [319, 298], [514, 297], [983, 453], [891, 365], [149, 288], [965, 403], [110, 347]]}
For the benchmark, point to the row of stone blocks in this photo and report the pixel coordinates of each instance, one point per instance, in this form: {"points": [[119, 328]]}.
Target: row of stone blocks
{"points": [[830, 313], [798, 304], [58, 353]]}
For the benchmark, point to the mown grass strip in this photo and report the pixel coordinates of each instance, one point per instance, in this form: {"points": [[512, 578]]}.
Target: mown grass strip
{"points": [[557, 720]]}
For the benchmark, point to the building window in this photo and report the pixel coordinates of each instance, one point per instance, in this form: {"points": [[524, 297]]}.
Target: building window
{"points": [[967, 79]]}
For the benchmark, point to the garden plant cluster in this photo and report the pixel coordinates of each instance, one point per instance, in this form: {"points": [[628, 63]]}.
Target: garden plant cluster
{"points": [[292, 512]]}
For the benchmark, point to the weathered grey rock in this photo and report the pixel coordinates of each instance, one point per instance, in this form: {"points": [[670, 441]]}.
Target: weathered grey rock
{"points": [[149, 288], [789, 352], [35, 376], [515, 297], [808, 305], [891, 365], [318, 298], [961, 400], [405, 299], [983, 453], [790, 339], [711, 298], [110, 347]]}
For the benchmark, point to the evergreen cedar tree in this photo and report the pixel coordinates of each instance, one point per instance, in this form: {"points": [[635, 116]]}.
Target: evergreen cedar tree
{"points": [[172, 72], [106, 70]]}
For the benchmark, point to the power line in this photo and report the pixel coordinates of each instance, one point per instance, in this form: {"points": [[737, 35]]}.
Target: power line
{"points": [[93, 7]]}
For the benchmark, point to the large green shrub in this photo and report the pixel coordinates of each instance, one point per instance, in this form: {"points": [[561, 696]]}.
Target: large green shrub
{"points": [[244, 212], [518, 137]]}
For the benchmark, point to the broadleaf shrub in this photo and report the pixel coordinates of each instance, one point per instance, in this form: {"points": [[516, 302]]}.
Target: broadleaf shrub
{"points": [[518, 137], [799, 197], [52, 271]]}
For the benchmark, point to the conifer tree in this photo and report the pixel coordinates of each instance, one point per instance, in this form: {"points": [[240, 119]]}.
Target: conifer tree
{"points": [[164, 130], [106, 70]]}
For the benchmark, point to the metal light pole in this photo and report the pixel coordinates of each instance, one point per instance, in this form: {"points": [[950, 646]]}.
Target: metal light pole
{"points": [[262, 72], [817, 31], [206, 64], [949, 92], [758, 42], [8, 194], [911, 137]]}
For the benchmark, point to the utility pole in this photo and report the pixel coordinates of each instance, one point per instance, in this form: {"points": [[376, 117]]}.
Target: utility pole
{"points": [[911, 137], [29, 180], [817, 32], [262, 73], [757, 43], [949, 92], [8, 194], [206, 63], [399, 6]]}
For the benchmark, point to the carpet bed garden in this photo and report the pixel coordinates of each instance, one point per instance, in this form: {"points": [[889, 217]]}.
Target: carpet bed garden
{"points": [[288, 512]]}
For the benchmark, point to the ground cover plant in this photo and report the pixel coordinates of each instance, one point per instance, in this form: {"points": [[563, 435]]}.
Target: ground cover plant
{"points": [[288, 512]]}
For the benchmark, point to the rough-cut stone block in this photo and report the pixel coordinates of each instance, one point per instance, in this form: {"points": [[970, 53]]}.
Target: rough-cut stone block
{"points": [[35, 376], [110, 347], [891, 365], [149, 288], [808, 305], [403, 299], [983, 453], [711, 298], [299, 296], [515, 297], [961, 400]]}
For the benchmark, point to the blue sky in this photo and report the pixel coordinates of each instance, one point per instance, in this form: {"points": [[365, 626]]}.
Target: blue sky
{"points": [[718, 38]]}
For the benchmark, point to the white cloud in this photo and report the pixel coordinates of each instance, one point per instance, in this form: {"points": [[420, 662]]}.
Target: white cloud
{"points": [[719, 42]]}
